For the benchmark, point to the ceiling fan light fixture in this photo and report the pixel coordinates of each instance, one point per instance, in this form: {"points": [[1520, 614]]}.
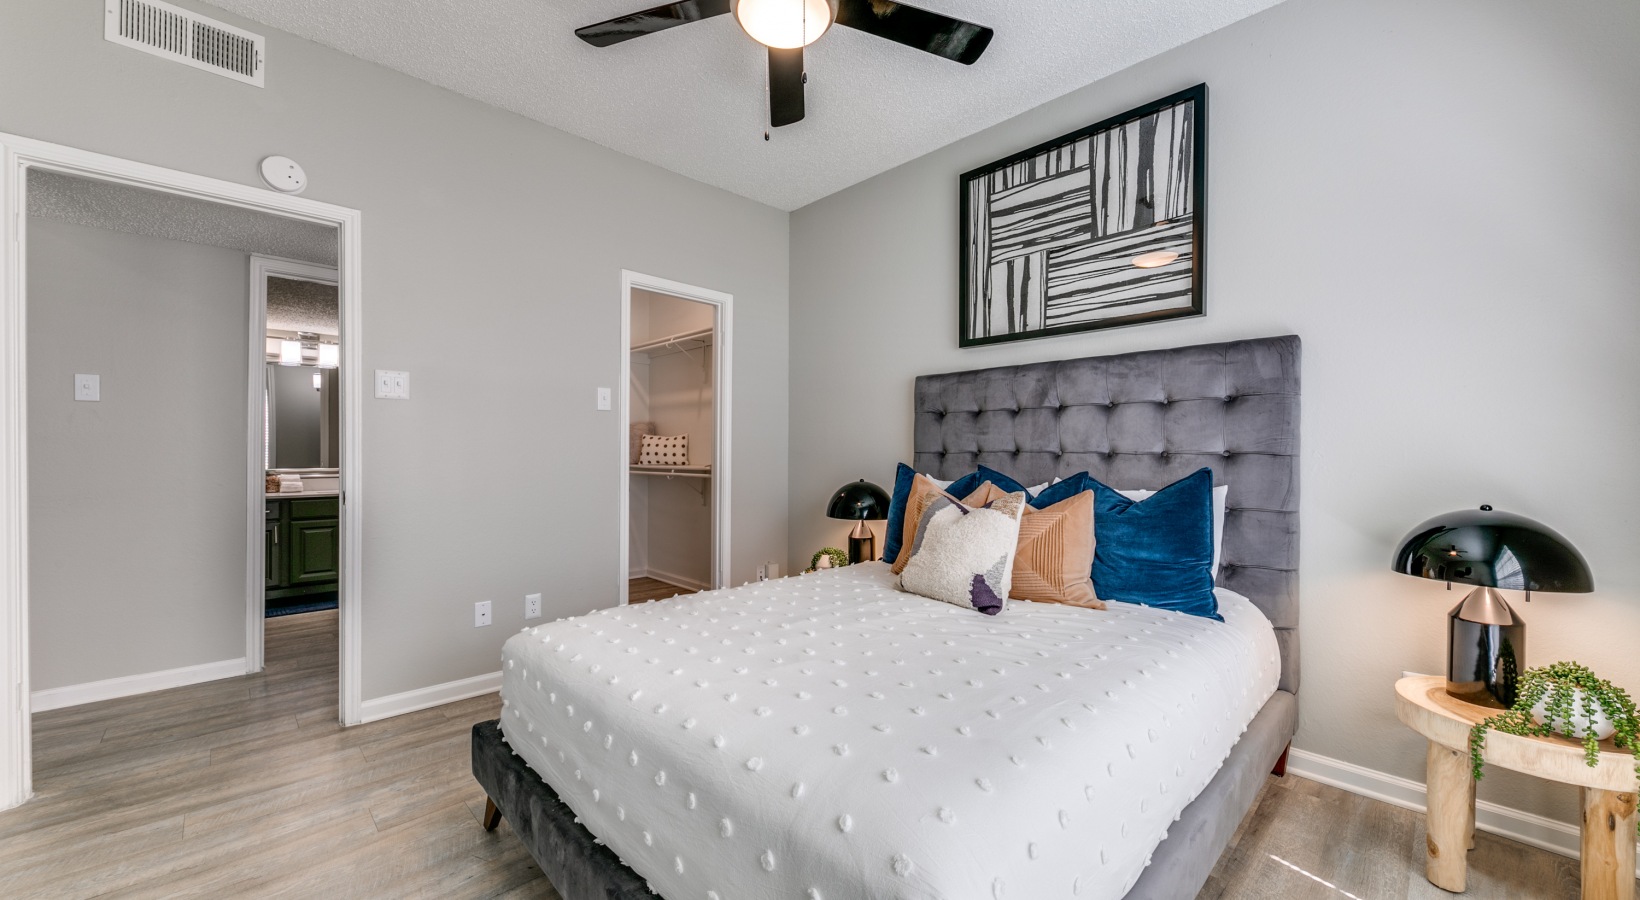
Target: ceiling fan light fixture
{"points": [[785, 24]]}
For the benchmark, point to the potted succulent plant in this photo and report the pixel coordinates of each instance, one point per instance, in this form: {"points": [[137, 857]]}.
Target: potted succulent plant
{"points": [[1564, 698], [828, 558]]}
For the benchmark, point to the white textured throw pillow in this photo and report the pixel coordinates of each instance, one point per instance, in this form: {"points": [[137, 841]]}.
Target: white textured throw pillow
{"points": [[965, 555], [664, 450]]}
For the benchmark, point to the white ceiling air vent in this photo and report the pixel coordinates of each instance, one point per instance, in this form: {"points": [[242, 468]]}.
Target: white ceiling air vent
{"points": [[185, 37]]}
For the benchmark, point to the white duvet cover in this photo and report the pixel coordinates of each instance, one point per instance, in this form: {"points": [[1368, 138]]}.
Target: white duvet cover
{"points": [[831, 738]]}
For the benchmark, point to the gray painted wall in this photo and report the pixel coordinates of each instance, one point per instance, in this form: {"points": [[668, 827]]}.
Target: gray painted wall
{"points": [[1441, 198], [492, 254], [136, 502]]}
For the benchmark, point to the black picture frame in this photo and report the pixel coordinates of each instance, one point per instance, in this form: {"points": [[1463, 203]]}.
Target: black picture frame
{"points": [[1069, 268]]}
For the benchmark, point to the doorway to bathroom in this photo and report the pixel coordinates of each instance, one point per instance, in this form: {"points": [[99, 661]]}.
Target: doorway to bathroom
{"points": [[296, 359]]}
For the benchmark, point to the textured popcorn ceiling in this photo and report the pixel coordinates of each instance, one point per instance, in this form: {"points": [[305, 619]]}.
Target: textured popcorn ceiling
{"points": [[692, 99], [301, 306], [117, 207]]}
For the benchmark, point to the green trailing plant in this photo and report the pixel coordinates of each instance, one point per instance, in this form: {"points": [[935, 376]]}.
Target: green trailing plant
{"points": [[1565, 688], [839, 559]]}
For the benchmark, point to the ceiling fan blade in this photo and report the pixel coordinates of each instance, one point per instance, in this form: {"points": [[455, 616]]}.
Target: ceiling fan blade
{"points": [[785, 86], [650, 21], [931, 32]]}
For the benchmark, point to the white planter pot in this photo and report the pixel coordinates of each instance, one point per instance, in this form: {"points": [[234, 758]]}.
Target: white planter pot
{"points": [[1580, 723]]}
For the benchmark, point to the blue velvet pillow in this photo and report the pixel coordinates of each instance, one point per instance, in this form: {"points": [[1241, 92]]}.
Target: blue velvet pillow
{"points": [[960, 488], [1064, 489], [1157, 551]]}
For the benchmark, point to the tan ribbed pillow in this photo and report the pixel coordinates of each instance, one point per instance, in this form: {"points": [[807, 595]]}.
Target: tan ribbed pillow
{"points": [[1054, 562], [923, 491]]}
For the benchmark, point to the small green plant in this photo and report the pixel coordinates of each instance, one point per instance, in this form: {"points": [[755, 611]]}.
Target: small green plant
{"points": [[1565, 688], [838, 558]]}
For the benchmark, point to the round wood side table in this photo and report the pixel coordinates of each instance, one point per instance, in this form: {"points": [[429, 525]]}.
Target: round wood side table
{"points": [[1609, 788]]}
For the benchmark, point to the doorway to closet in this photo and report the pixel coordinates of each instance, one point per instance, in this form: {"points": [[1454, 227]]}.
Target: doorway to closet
{"points": [[674, 424]]}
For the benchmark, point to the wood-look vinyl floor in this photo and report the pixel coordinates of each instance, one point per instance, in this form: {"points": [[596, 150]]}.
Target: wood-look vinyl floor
{"points": [[643, 590], [247, 787]]}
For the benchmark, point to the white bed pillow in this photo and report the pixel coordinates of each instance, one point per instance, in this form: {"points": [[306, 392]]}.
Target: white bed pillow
{"points": [[964, 555], [1221, 493]]}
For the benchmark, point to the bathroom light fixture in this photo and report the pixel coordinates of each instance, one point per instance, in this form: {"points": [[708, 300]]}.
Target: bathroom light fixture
{"points": [[290, 353], [785, 24], [1155, 259], [330, 356]]}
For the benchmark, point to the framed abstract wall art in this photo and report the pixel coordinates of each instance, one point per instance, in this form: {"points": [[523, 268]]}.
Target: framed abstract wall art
{"points": [[1099, 228]]}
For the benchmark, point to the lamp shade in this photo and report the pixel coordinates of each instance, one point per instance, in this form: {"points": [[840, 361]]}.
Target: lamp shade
{"points": [[858, 500], [1489, 548]]}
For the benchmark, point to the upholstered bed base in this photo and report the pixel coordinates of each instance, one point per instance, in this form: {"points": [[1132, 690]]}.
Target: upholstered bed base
{"points": [[582, 869], [1138, 420]]}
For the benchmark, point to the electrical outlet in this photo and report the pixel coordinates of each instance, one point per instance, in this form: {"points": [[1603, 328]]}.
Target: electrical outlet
{"points": [[763, 573], [532, 606], [481, 614]]}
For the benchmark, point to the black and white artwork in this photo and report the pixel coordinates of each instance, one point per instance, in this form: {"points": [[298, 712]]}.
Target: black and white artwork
{"points": [[1099, 228]]}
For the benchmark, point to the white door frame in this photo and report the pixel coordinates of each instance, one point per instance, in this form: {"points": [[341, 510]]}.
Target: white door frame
{"points": [[262, 268], [722, 356], [17, 156]]}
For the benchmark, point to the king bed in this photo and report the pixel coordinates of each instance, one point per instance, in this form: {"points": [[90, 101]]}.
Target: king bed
{"points": [[831, 737]]}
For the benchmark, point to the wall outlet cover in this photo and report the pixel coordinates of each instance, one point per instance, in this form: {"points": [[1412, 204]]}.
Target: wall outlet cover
{"points": [[481, 614], [532, 606], [606, 399], [88, 387]]}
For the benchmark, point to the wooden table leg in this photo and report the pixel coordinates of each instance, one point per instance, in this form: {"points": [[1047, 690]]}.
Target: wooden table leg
{"points": [[1451, 810], [1608, 845]]}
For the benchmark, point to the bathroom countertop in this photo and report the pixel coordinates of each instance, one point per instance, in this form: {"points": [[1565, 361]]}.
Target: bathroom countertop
{"points": [[298, 495]]}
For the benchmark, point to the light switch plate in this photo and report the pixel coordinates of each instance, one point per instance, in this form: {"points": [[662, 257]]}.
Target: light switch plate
{"points": [[532, 606], [392, 385], [605, 399], [481, 614], [88, 387]]}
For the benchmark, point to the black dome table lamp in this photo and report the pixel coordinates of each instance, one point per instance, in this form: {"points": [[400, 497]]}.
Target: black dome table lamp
{"points": [[860, 501], [1486, 639]]}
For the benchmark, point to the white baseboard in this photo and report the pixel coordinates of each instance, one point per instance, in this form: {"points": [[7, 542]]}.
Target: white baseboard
{"points": [[674, 579], [427, 697], [1493, 818], [131, 685]]}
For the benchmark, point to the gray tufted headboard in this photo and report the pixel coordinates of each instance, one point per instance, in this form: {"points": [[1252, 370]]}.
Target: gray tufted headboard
{"points": [[1142, 421]]}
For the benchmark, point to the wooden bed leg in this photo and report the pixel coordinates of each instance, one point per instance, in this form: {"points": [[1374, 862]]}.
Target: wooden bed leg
{"points": [[492, 815], [1280, 768]]}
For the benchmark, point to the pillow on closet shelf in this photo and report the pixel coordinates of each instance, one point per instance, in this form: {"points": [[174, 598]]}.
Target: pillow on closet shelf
{"points": [[1157, 552], [964, 555], [893, 535], [664, 450]]}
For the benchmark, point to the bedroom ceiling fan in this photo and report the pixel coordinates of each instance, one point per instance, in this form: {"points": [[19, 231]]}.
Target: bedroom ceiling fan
{"points": [[785, 27]]}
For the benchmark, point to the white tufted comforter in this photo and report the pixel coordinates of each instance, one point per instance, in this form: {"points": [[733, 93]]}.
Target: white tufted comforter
{"points": [[828, 737]]}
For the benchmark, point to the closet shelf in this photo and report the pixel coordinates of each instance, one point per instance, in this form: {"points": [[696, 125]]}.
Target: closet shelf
{"points": [[674, 471], [677, 343]]}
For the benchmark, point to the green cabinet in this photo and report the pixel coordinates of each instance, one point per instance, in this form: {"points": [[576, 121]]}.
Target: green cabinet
{"points": [[302, 547]]}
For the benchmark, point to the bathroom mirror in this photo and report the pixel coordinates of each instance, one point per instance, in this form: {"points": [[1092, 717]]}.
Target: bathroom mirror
{"points": [[301, 417]]}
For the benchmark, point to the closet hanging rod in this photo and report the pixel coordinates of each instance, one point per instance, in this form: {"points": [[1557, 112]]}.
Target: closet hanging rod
{"points": [[687, 340], [671, 471]]}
